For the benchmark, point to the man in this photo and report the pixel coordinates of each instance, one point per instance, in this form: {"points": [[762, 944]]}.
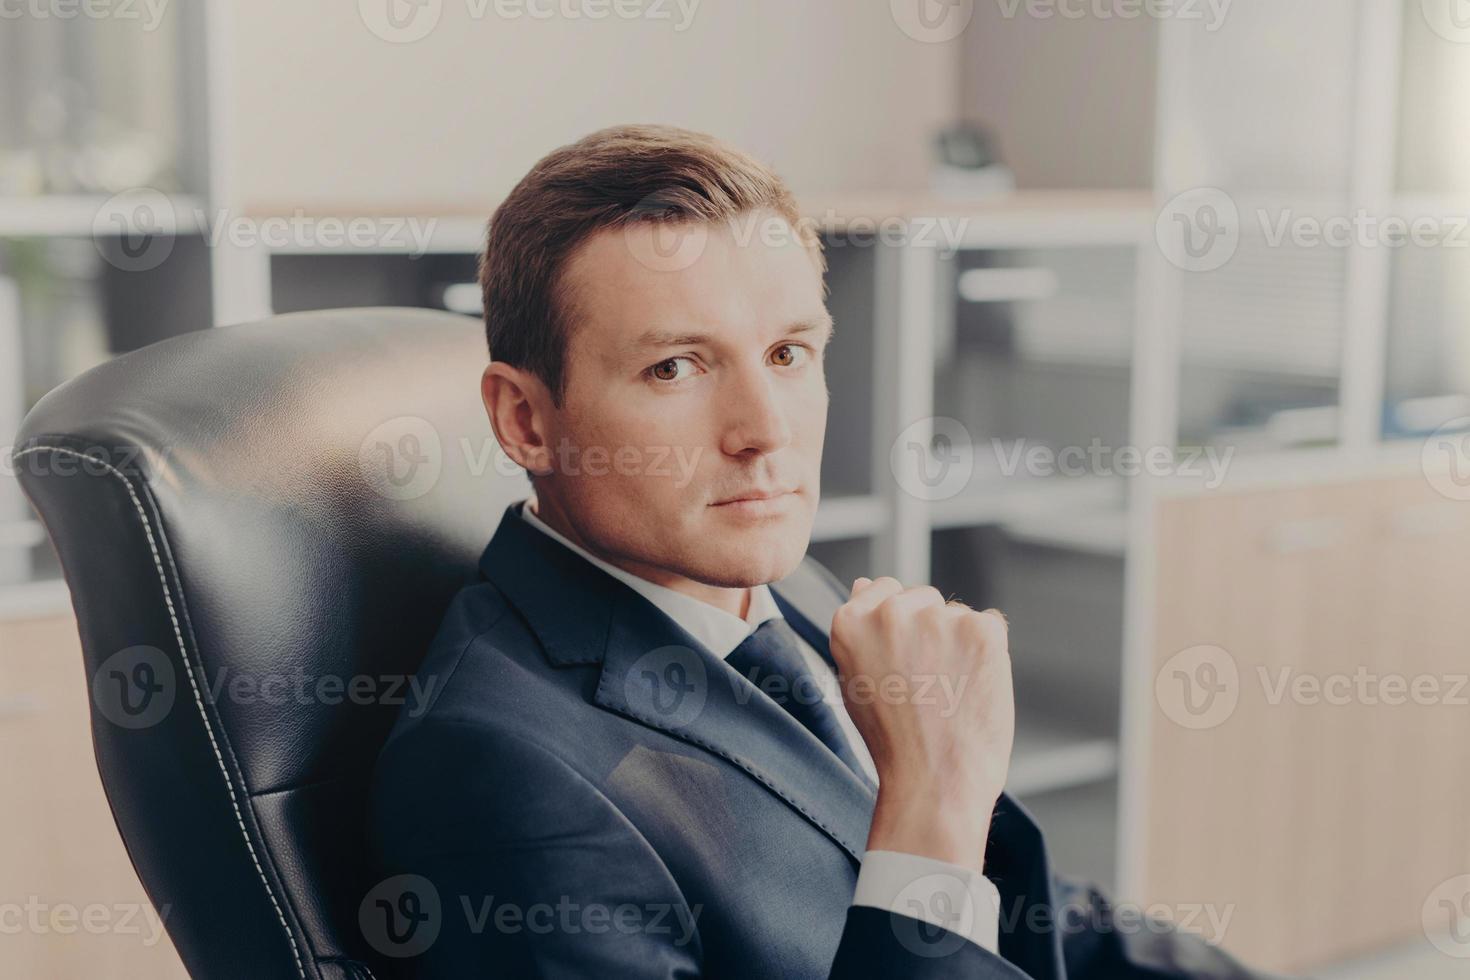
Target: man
{"points": [[638, 763]]}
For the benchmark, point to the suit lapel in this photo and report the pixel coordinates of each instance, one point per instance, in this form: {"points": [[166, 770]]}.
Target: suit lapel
{"points": [[657, 675], [1017, 864]]}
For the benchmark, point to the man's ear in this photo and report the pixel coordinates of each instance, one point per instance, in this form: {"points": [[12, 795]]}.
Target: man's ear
{"points": [[519, 407]]}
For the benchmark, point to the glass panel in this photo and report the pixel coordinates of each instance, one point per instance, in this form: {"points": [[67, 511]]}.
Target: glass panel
{"points": [[65, 308], [92, 104], [1261, 338], [1427, 381], [1427, 346], [1264, 101], [1262, 126], [1038, 353], [1434, 116]]}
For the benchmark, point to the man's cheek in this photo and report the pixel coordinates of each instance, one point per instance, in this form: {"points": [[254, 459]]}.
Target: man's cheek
{"points": [[687, 459]]}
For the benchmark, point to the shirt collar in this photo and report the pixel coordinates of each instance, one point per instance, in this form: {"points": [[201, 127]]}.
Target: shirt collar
{"points": [[721, 632]]}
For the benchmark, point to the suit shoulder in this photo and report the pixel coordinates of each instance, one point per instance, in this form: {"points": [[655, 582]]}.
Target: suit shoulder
{"points": [[480, 636]]}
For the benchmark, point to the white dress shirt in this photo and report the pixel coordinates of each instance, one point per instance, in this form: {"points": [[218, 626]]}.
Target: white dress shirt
{"points": [[937, 892]]}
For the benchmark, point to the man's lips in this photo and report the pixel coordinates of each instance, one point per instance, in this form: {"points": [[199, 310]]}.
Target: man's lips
{"points": [[753, 495]]}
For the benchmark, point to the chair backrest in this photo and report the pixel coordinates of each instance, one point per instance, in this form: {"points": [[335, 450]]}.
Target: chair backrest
{"points": [[261, 526]]}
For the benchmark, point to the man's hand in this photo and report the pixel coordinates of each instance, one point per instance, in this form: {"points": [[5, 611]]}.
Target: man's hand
{"points": [[942, 759]]}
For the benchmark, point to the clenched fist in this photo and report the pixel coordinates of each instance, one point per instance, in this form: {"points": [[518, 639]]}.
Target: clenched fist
{"points": [[937, 713]]}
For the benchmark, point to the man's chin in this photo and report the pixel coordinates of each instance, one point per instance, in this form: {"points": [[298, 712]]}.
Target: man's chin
{"points": [[758, 556]]}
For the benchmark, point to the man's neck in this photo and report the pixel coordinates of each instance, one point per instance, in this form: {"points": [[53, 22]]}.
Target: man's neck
{"points": [[734, 601]]}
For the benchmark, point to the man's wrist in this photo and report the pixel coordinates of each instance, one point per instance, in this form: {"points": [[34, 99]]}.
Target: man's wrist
{"points": [[949, 827]]}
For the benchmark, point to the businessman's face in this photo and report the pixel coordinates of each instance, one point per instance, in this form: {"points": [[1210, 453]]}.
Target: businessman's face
{"points": [[697, 358]]}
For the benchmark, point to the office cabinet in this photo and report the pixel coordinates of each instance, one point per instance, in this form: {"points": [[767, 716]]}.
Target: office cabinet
{"points": [[1309, 714], [70, 903]]}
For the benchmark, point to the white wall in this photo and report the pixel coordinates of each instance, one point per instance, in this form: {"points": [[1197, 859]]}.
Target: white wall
{"points": [[328, 116], [1071, 100]]}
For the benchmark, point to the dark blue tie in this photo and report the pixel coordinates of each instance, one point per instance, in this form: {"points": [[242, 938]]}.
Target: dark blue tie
{"points": [[770, 658]]}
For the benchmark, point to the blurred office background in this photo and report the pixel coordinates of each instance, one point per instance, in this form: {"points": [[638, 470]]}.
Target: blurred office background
{"points": [[1088, 379]]}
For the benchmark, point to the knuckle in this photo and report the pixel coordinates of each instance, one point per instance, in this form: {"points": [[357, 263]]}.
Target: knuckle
{"points": [[936, 619], [928, 594], [887, 613]]}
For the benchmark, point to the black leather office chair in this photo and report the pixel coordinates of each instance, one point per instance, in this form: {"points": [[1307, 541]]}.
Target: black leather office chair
{"points": [[292, 502]]}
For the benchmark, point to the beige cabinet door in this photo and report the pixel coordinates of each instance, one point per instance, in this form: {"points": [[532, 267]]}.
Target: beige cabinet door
{"points": [[1306, 752], [70, 903]]}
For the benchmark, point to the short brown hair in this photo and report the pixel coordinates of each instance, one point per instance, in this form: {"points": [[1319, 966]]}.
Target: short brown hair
{"points": [[608, 179]]}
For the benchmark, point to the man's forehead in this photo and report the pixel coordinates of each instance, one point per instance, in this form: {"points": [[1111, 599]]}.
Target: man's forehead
{"points": [[626, 307]]}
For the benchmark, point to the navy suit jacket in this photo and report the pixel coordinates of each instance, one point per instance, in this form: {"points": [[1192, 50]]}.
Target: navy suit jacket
{"points": [[591, 793]]}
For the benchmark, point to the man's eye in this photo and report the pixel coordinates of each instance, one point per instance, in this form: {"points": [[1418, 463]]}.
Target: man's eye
{"points": [[660, 371], [794, 351]]}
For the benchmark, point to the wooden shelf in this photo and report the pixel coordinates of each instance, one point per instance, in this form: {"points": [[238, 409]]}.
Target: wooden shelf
{"points": [[1018, 219], [1102, 532], [1023, 500], [76, 215], [32, 600], [1047, 757]]}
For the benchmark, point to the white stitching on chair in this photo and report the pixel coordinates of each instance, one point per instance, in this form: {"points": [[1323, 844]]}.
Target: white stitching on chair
{"points": [[193, 684]]}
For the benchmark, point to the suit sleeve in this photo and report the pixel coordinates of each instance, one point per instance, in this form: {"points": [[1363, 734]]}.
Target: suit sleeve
{"points": [[512, 864], [1103, 942]]}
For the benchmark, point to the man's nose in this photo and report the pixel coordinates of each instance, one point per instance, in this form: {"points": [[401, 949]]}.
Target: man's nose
{"points": [[755, 418]]}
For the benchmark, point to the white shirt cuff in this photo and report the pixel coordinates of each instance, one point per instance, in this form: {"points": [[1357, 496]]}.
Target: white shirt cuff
{"points": [[937, 892]]}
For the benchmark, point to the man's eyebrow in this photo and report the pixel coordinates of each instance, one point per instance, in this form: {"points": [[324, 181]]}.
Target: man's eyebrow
{"points": [[656, 338]]}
